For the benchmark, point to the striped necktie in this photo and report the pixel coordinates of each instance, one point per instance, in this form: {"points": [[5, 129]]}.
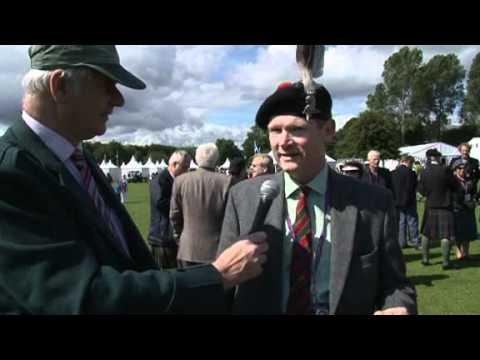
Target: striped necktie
{"points": [[89, 185], [299, 301]]}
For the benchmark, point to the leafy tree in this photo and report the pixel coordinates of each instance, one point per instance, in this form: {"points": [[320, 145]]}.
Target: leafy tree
{"points": [[378, 101], [160, 152], [371, 130], [393, 97], [459, 135], [415, 132], [341, 148], [227, 149], [438, 91], [471, 106], [257, 136], [158, 155]]}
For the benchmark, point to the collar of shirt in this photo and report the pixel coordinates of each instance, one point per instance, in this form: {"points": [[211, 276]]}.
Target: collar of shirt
{"points": [[54, 141], [318, 184]]}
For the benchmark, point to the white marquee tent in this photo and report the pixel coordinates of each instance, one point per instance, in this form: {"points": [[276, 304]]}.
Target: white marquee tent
{"points": [[150, 167], [162, 165], [475, 143], [419, 151], [112, 169], [226, 164], [193, 166], [132, 165]]}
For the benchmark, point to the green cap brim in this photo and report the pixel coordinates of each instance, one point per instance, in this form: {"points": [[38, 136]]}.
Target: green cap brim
{"points": [[119, 74]]}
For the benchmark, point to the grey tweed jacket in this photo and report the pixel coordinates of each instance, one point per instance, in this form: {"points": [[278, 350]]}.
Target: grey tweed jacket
{"points": [[196, 213], [367, 267]]}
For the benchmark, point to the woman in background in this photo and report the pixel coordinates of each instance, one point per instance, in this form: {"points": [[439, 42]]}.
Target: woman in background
{"points": [[464, 210]]}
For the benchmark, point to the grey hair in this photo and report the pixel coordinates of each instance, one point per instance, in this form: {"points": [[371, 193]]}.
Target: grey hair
{"points": [[36, 82], [373, 152], [178, 157], [207, 155]]}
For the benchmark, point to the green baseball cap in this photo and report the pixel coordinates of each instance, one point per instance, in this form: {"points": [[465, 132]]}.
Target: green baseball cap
{"points": [[102, 58]]}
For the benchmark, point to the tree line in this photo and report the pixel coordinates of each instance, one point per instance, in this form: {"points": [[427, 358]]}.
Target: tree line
{"points": [[415, 104]]}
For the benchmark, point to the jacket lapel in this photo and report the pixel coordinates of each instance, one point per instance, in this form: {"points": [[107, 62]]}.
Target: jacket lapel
{"points": [[131, 232], [88, 212], [263, 295], [275, 216], [69, 187], [344, 219]]}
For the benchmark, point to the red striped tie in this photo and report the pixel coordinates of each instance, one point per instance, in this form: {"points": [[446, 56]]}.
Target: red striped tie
{"points": [[300, 301], [90, 186]]}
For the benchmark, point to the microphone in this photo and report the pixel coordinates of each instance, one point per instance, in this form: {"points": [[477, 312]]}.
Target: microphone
{"points": [[268, 191]]}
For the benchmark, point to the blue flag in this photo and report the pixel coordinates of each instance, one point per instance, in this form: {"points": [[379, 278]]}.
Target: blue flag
{"points": [[256, 149]]}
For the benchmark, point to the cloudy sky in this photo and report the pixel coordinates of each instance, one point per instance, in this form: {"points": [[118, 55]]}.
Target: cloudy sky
{"points": [[199, 93]]}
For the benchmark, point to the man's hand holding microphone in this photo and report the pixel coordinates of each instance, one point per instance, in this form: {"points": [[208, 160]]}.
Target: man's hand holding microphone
{"points": [[243, 260]]}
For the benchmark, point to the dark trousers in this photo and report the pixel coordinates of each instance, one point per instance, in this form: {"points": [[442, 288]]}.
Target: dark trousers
{"points": [[408, 226], [165, 257]]}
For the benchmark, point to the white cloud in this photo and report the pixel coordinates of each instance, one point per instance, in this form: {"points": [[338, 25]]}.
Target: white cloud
{"points": [[182, 135], [273, 64], [200, 62], [352, 70], [13, 65], [188, 83]]}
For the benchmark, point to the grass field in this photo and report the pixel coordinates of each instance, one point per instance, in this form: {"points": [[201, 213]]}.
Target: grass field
{"points": [[439, 292]]}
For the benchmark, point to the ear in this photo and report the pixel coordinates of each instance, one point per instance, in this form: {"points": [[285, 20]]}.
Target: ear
{"points": [[58, 87], [329, 131]]}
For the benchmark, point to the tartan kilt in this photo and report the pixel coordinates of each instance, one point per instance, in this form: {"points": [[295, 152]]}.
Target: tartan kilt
{"points": [[438, 224]]}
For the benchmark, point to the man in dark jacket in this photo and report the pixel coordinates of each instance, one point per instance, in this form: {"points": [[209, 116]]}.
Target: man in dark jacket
{"points": [[376, 175], [437, 184], [67, 244], [404, 181], [164, 247], [333, 239], [237, 170]]}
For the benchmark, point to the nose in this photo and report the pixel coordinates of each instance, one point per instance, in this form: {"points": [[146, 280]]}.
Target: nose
{"points": [[284, 138], [117, 98]]}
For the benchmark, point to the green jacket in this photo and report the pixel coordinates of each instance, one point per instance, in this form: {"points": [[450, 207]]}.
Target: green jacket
{"points": [[57, 255]]}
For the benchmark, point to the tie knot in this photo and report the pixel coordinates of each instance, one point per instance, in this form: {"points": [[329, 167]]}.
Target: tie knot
{"points": [[305, 191], [78, 159]]}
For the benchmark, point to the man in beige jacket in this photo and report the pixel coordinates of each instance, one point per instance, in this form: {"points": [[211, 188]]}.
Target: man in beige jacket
{"points": [[197, 209]]}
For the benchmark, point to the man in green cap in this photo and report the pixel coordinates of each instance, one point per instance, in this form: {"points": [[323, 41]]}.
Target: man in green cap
{"points": [[67, 245]]}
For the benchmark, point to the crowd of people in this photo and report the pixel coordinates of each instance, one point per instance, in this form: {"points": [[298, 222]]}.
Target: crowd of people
{"points": [[303, 241], [197, 225], [449, 191], [187, 211]]}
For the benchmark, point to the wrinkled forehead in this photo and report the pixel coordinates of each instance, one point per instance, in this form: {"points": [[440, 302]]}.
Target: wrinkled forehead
{"points": [[285, 120]]}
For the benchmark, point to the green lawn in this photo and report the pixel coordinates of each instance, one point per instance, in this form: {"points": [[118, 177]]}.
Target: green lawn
{"points": [[439, 291]]}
